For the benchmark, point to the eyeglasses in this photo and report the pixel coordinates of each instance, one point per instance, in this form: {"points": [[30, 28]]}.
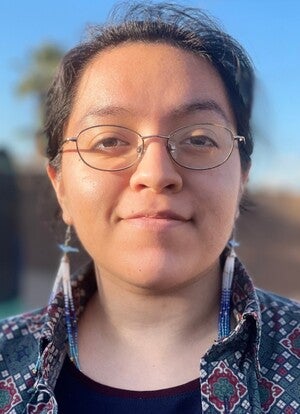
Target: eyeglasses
{"points": [[116, 148]]}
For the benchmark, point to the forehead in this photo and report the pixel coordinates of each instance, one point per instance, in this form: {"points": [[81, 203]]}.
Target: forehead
{"points": [[146, 80]]}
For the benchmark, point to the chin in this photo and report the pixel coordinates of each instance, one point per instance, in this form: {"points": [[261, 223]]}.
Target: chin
{"points": [[162, 275]]}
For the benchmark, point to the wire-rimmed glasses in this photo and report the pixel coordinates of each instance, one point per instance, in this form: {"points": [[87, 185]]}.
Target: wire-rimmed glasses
{"points": [[115, 148]]}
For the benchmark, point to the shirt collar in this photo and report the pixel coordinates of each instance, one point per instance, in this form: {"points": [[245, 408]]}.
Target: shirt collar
{"points": [[246, 310], [245, 307]]}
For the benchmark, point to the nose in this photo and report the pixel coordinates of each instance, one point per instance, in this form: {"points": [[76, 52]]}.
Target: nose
{"points": [[156, 170]]}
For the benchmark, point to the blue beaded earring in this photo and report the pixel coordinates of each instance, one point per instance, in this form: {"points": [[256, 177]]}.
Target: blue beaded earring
{"points": [[227, 277], [63, 277]]}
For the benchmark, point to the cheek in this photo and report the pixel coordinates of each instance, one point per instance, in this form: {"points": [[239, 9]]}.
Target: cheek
{"points": [[89, 195], [219, 191], [83, 197]]}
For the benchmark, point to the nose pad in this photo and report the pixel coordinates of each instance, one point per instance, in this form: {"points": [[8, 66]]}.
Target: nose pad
{"points": [[172, 150], [170, 147], [140, 151], [155, 169]]}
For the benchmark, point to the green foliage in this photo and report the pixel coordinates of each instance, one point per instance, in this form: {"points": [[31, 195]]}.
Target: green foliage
{"points": [[41, 67], [36, 79]]}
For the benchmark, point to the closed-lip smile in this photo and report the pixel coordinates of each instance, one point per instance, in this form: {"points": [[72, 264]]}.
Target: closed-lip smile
{"points": [[157, 215]]}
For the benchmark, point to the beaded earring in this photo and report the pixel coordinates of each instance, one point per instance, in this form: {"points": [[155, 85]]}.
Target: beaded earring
{"points": [[63, 277], [227, 277]]}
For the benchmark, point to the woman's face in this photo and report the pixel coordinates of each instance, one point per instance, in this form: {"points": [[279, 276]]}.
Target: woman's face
{"points": [[155, 225]]}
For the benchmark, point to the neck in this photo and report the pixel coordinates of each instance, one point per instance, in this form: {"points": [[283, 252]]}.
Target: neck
{"points": [[134, 312], [130, 324]]}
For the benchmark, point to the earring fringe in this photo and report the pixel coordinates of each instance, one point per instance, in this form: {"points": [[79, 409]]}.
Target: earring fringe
{"points": [[63, 278], [227, 277]]}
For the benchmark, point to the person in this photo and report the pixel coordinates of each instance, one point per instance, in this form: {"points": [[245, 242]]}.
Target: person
{"points": [[149, 147]]}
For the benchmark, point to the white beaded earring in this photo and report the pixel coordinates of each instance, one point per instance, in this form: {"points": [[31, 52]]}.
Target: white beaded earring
{"points": [[63, 277]]}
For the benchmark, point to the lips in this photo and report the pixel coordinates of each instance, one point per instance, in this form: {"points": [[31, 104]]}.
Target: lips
{"points": [[157, 215]]}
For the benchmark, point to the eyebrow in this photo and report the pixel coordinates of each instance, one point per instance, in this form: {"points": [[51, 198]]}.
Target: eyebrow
{"points": [[180, 111], [205, 105], [109, 110]]}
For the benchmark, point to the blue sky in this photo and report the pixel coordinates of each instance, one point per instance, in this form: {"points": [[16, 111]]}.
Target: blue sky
{"points": [[268, 29]]}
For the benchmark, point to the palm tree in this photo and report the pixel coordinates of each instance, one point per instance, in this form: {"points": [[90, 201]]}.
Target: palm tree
{"points": [[36, 80]]}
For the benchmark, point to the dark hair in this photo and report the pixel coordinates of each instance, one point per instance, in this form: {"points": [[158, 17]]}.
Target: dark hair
{"points": [[187, 28]]}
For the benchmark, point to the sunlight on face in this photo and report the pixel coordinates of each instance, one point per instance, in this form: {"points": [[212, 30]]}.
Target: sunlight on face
{"points": [[155, 225]]}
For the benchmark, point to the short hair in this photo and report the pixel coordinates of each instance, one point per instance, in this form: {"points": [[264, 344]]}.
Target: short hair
{"points": [[183, 27]]}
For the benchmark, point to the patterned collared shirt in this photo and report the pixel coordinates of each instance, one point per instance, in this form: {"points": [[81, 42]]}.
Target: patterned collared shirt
{"points": [[256, 369]]}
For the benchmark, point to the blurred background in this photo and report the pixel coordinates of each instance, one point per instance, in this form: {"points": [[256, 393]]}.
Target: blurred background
{"points": [[33, 37]]}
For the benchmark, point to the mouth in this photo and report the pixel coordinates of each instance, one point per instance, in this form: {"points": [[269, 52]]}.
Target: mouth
{"points": [[158, 215], [156, 220]]}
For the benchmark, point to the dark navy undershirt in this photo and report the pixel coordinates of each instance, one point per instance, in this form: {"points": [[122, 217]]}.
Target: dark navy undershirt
{"points": [[76, 393]]}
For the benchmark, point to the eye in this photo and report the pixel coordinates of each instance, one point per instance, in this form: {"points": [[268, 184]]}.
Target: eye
{"points": [[109, 143], [200, 141]]}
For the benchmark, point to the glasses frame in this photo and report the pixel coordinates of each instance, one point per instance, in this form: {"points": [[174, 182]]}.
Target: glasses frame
{"points": [[238, 138]]}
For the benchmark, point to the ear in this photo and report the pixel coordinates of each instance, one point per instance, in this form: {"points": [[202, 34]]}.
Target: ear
{"points": [[55, 177]]}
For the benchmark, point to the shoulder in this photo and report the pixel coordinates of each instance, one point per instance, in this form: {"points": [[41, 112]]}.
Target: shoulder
{"points": [[19, 350], [280, 334], [279, 350], [19, 338], [278, 309], [23, 324], [280, 316]]}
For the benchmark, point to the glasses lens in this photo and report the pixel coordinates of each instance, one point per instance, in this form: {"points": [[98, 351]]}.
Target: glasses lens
{"points": [[108, 148], [201, 146]]}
